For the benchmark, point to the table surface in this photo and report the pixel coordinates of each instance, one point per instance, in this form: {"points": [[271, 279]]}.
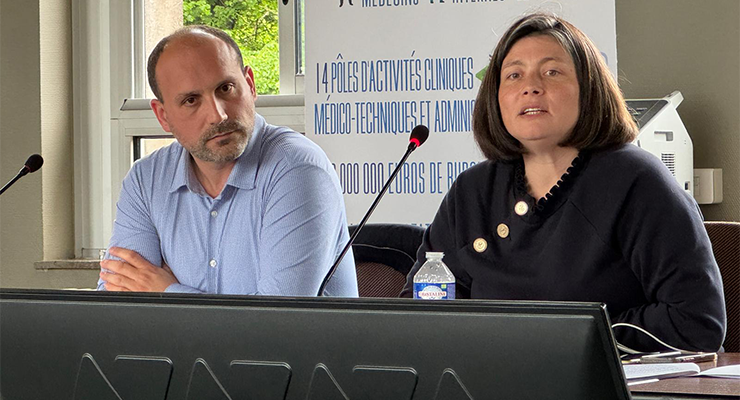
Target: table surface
{"points": [[697, 387]]}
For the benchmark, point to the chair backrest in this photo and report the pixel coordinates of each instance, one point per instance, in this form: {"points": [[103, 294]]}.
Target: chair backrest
{"points": [[384, 255], [725, 238]]}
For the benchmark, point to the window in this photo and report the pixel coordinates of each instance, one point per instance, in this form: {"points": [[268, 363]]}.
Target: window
{"points": [[113, 122]]}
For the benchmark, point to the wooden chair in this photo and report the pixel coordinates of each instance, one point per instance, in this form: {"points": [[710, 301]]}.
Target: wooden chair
{"points": [[725, 238], [384, 255]]}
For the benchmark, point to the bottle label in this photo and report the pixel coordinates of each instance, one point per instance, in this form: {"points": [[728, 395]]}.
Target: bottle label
{"points": [[434, 291]]}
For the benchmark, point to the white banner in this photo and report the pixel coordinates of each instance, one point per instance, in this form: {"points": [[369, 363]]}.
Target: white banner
{"points": [[377, 68]]}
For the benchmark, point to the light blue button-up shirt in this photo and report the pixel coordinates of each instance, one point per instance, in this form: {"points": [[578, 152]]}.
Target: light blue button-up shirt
{"points": [[275, 229]]}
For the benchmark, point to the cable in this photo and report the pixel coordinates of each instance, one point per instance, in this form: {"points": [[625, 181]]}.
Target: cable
{"points": [[632, 351]]}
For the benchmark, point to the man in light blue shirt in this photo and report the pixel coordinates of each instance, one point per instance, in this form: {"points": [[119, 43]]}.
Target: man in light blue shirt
{"points": [[236, 206]]}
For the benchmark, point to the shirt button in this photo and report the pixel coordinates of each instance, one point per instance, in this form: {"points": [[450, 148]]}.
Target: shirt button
{"points": [[521, 208], [214, 214], [213, 263], [503, 231], [480, 245]]}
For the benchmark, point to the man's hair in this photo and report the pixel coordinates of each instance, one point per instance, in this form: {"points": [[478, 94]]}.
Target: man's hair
{"points": [[603, 118], [157, 52]]}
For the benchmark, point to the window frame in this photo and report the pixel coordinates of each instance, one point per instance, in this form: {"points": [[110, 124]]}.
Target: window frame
{"points": [[110, 110]]}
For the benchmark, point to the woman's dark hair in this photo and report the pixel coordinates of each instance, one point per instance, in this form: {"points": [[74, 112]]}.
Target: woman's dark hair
{"points": [[603, 118], [159, 48]]}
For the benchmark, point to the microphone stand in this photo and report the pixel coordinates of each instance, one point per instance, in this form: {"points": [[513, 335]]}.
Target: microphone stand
{"points": [[333, 269], [21, 174]]}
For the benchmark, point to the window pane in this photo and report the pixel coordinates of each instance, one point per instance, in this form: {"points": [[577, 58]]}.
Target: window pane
{"points": [[143, 146], [161, 17], [254, 26], [252, 23]]}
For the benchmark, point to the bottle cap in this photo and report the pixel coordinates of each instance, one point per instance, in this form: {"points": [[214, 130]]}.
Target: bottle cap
{"points": [[434, 254]]}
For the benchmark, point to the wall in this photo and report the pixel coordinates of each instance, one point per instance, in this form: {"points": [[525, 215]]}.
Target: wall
{"points": [[20, 127], [694, 47], [35, 117]]}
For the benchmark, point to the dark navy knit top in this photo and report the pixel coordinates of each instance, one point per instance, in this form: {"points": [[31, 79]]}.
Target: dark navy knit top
{"points": [[616, 229]]}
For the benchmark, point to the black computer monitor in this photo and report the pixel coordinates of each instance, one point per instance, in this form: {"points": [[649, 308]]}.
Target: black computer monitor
{"points": [[89, 345]]}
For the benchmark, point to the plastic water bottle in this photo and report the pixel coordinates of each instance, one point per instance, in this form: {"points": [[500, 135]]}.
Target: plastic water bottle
{"points": [[434, 281]]}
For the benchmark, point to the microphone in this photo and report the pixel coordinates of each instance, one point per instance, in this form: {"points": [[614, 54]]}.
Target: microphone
{"points": [[32, 165], [419, 135]]}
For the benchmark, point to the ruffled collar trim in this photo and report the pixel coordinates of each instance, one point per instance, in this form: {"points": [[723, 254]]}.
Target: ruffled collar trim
{"points": [[554, 198]]}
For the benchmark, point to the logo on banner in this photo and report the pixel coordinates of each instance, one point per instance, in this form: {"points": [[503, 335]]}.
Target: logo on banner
{"points": [[341, 2]]}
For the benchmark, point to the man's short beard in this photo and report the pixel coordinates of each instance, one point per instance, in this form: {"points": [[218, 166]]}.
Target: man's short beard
{"points": [[228, 149]]}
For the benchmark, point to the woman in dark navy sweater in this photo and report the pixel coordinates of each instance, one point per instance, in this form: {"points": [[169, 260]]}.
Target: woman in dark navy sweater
{"points": [[566, 208]]}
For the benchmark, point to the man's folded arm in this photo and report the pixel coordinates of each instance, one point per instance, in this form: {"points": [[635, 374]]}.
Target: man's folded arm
{"points": [[134, 230]]}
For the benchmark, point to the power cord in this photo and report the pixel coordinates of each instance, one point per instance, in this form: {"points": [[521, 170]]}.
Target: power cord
{"points": [[633, 351]]}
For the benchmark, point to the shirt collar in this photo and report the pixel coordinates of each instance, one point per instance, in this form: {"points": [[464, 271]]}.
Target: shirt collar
{"points": [[242, 176]]}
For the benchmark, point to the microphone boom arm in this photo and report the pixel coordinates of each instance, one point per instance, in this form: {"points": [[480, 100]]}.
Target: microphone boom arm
{"points": [[9, 184], [20, 175], [333, 269]]}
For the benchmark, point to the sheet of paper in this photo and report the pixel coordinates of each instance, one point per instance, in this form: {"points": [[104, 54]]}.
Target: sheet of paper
{"points": [[728, 371], [667, 370]]}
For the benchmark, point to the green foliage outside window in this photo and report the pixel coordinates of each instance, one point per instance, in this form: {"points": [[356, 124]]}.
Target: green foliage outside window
{"points": [[254, 26]]}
